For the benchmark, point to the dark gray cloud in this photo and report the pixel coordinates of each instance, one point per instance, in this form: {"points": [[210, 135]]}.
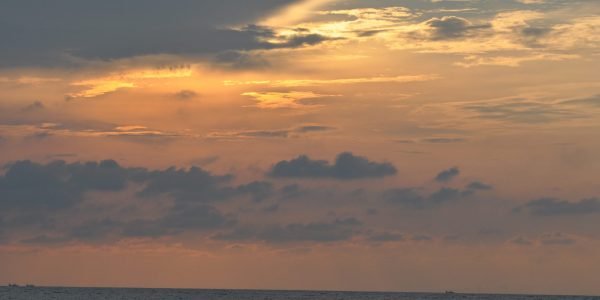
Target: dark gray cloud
{"points": [[46, 240], [535, 31], [92, 230], [313, 128], [36, 33], [31, 186], [479, 186], [369, 33], [193, 184], [406, 197], [412, 199], [522, 111], [300, 40], [530, 35], [557, 207], [292, 191], [447, 175], [186, 95], [451, 27], [51, 200], [241, 60], [57, 185], [259, 190], [338, 230], [346, 166], [178, 220]]}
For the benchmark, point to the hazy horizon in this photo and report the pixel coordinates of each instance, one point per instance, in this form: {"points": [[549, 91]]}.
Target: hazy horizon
{"points": [[391, 145]]}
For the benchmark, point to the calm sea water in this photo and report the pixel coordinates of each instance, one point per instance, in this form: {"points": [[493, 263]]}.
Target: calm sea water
{"points": [[189, 294]]}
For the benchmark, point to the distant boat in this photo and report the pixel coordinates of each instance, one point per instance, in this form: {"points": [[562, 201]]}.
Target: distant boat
{"points": [[450, 292], [30, 286], [13, 285]]}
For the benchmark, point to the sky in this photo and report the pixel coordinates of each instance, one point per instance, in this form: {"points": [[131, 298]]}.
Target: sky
{"points": [[390, 145]]}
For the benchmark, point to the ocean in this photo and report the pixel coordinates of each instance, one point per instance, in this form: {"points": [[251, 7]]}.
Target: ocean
{"points": [[18, 293]]}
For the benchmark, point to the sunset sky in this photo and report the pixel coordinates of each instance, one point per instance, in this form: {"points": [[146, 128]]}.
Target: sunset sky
{"points": [[397, 145]]}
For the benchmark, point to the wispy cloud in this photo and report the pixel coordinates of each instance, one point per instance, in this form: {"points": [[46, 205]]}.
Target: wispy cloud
{"points": [[273, 100], [298, 131], [342, 81], [99, 86]]}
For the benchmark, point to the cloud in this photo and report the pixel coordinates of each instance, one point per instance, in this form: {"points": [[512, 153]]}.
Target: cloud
{"points": [[54, 200], [554, 207], [521, 111], [178, 220], [191, 185], [592, 101], [513, 60], [300, 40], [479, 186], [278, 100], [325, 232], [406, 197], [260, 190], [46, 240], [135, 133], [295, 13], [412, 199], [531, 35], [278, 133], [274, 133], [137, 28], [346, 167], [186, 95], [94, 87], [329, 82], [314, 128], [394, 13], [241, 60], [447, 175], [57, 185], [196, 185], [451, 27]]}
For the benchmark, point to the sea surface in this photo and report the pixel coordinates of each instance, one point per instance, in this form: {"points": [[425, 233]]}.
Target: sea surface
{"points": [[18, 293]]}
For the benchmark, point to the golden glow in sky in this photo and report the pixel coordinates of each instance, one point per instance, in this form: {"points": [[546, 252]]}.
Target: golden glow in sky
{"points": [[365, 145]]}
